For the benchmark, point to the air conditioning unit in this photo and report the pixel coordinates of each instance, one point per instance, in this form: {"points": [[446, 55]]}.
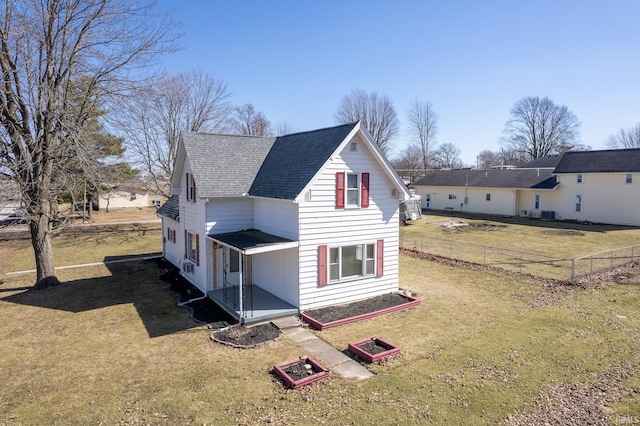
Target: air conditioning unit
{"points": [[188, 267]]}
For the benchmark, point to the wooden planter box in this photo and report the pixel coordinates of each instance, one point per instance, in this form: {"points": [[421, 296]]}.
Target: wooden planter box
{"points": [[384, 349], [300, 372], [411, 302]]}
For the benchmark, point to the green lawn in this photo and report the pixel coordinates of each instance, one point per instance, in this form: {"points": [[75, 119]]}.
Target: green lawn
{"points": [[110, 346]]}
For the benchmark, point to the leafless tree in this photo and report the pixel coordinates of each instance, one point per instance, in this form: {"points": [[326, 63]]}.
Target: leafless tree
{"points": [[375, 111], [447, 156], [285, 128], [409, 163], [423, 122], [538, 127], [151, 119], [247, 121], [488, 159], [46, 47], [625, 138]]}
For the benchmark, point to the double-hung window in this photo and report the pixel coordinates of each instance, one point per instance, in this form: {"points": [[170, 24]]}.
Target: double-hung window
{"points": [[579, 202], [352, 190], [628, 178], [191, 247], [191, 187], [349, 262]]}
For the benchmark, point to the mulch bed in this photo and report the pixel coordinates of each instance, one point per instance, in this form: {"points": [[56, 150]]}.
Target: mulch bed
{"points": [[372, 347], [246, 337], [339, 312]]}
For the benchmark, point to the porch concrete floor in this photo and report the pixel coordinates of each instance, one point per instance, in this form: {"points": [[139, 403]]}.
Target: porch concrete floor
{"points": [[259, 305]]}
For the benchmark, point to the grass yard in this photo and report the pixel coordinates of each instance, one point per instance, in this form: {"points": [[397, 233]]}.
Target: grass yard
{"points": [[555, 239], [110, 346]]}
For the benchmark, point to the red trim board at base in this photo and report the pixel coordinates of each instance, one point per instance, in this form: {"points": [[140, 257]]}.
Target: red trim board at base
{"points": [[412, 302]]}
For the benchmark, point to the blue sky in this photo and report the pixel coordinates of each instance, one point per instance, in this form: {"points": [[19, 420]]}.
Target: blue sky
{"points": [[295, 60]]}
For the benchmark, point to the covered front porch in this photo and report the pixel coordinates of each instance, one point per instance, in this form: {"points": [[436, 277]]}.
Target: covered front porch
{"points": [[247, 276]]}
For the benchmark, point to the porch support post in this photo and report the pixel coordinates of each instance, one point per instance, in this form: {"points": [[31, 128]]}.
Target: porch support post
{"points": [[241, 287]]}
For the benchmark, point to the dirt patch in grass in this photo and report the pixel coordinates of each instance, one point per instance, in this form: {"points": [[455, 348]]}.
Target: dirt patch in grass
{"points": [[339, 312], [246, 337], [563, 232]]}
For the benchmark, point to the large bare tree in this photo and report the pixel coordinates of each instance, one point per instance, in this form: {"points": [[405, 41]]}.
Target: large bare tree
{"points": [[625, 138], [423, 125], [152, 118], [46, 48], [376, 113], [247, 121], [447, 156], [409, 163], [538, 127]]}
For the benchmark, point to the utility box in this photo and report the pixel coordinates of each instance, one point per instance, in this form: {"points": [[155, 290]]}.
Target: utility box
{"points": [[548, 215]]}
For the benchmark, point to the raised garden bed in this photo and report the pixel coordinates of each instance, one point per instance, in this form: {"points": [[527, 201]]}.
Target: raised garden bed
{"points": [[373, 349], [300, 372], [334, 316]]}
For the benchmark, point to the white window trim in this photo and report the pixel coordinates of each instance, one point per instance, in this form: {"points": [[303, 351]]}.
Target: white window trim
{"points": [[191, 242], [575, 203], [633, 178], [487, 197], [346, 190], [537, 198], [364, 274], [579, 178]]}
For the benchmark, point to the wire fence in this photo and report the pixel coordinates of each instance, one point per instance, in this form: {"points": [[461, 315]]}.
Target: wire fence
{"points": [[522, 261]]}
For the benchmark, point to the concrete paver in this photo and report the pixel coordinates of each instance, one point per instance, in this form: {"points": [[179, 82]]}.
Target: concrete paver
{"points": [[330, 356]]}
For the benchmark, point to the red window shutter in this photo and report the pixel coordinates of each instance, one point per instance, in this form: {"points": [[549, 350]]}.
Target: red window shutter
{"points": [[168, 233], [185, 244], [364, 202], [379, 258], [340, 190], [322, 266], [197, 249], [187, 185], [193, 196], [174, 236]]}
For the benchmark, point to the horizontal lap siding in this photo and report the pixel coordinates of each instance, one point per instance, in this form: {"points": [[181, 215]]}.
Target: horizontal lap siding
{"points": [[277, 217], [192, 218], [277, 272], [321, 223], [173, 252], [229, 215]]}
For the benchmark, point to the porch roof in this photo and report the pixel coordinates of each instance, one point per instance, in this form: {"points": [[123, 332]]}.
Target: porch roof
{"points": [[253, 241]]}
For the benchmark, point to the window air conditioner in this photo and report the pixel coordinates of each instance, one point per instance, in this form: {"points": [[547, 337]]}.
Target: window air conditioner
{"points": [[188, 267]]}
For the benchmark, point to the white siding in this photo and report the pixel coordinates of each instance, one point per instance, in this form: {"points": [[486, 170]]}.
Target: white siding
{"points": [[277, 217], [503, 201], [321, 223], [277, 272], [229, 215], [122, 199], [192, 219], [173, 252], [606, 199]]}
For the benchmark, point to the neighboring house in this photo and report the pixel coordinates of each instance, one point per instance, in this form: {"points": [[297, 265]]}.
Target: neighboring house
{"points": [[585, 186], [599, 186], [500, 192], [129, 197], [268, 227]]}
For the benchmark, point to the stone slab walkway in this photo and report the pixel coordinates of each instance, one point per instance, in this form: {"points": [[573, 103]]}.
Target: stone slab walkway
{"points": [[330, 356]]}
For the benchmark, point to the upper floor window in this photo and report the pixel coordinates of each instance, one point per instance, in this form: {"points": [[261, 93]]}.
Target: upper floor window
{"points": [[488, 197], [579, 178], [191, 187], [628, 178], [352, 190]]}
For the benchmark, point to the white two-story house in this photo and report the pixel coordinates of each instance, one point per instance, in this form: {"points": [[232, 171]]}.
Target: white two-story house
{"points": [[272, 226]]}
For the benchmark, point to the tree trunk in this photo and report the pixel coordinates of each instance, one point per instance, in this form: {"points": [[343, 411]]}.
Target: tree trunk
{"points": [[43, 250]]}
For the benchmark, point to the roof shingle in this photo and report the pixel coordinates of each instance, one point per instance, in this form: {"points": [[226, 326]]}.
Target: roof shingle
{"points": [[513, 179], [171, 208], [606, 161]]}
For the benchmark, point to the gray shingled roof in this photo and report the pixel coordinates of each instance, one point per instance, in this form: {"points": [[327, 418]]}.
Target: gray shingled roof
{"points": [[546, 162], [225, 165], [607, 161], [171, 208], [229, 165], [295, 159], [514, 178]]}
